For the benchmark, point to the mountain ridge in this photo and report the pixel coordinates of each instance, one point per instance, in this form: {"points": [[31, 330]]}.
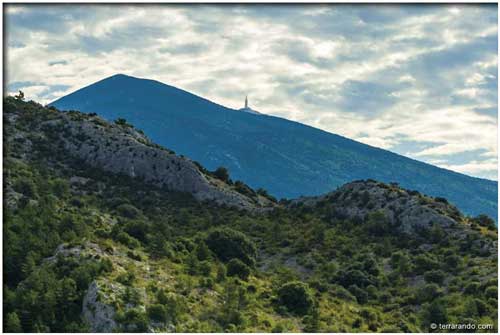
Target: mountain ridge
{"points": [[288, 158]]}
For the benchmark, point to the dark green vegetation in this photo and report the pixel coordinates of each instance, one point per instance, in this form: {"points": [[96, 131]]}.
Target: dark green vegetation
{"points": [[162, 260], [286, 158]]}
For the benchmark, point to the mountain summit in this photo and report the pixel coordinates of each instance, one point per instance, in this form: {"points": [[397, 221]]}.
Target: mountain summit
{"points": [[287, 158]]}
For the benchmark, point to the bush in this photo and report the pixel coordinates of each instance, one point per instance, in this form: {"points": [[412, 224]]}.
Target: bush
{"points": [[235, 267], [228, 244], [428, 292], [60, 187], [435, 313], [354, 277], [401, 262], [12, 324], [127, 240], [133, 320], [472, 288], [26, 187], [440, 199], [424, 263], [202, 252], [377, 224], [126, 278], [360, 294], [452, 262], [491, 292], [485, 221], [295, 296], [122, 122], [244, 189], [157, 312], [434, 276], [128, 211], [222, 174], [175, 304]]}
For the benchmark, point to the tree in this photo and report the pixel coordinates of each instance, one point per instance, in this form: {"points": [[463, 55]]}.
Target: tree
{"points": [[227, 244], [222, 174], [401, 262], [296, 297], [491, 292], [157, 312], [19, 96], [12, 323], [485, 221], [428, 292], [121, 122], [235, 267], [435, 313], [359, 293], [202, 252], [377, 224], [434, 276]]}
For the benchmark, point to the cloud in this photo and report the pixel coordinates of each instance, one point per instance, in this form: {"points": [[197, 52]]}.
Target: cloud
{"points": [[420, 80]]}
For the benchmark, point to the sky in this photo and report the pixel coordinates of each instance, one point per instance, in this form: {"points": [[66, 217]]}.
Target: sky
{"points": [[418, 80]]}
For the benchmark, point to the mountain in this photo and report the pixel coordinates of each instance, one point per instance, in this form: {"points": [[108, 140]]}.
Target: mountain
{"points": [[286, 158], [105, 231]]}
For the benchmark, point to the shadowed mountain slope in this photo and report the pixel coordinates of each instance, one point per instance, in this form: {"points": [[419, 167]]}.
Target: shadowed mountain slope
{"points": [[287, 158]]}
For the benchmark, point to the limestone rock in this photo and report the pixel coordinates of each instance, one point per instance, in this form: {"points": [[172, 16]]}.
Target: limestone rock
{"points": [[97, 314]]}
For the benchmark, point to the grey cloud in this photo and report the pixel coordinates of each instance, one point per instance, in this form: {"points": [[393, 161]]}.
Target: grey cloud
{"points": [[321, 90], [365, 98], [187, 48]]}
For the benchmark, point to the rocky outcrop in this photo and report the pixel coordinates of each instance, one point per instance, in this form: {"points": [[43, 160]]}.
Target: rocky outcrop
{"points": [[408, 211], [119, 148], [85, 250], [122, 149], [97, 314]]}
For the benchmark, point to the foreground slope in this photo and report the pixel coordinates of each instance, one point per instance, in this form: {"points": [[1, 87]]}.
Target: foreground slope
{"points": [[288, 159], [89, 247]]}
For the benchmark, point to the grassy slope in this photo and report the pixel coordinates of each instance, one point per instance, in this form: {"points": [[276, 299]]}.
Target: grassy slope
{"points": [[156, 237]]}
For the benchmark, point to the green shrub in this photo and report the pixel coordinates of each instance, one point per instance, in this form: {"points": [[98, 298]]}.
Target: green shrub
{"points": [[12, 323], [203, 252], [235, 267], [175, 304], [434, 276], [133, 320], [227, 244], [360, 294], [60, 187], [434, 313], [295, 296], [127, 240], [122, 122], [126, 278], [428, 292], [221, 273], [485, 221], [157, 312], [222, 174], [128, 211], [377, 224], [491, 292], [244, 189], [424, 263], [472, 288], [452, 262], [26, 187], [354, 277]]}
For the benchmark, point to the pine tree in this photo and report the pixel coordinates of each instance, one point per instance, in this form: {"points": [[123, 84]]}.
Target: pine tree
{"points": [[12, 323]]}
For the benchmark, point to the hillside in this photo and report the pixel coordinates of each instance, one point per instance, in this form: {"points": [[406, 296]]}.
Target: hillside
{"points": [[96, 239], [288, 159]]}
